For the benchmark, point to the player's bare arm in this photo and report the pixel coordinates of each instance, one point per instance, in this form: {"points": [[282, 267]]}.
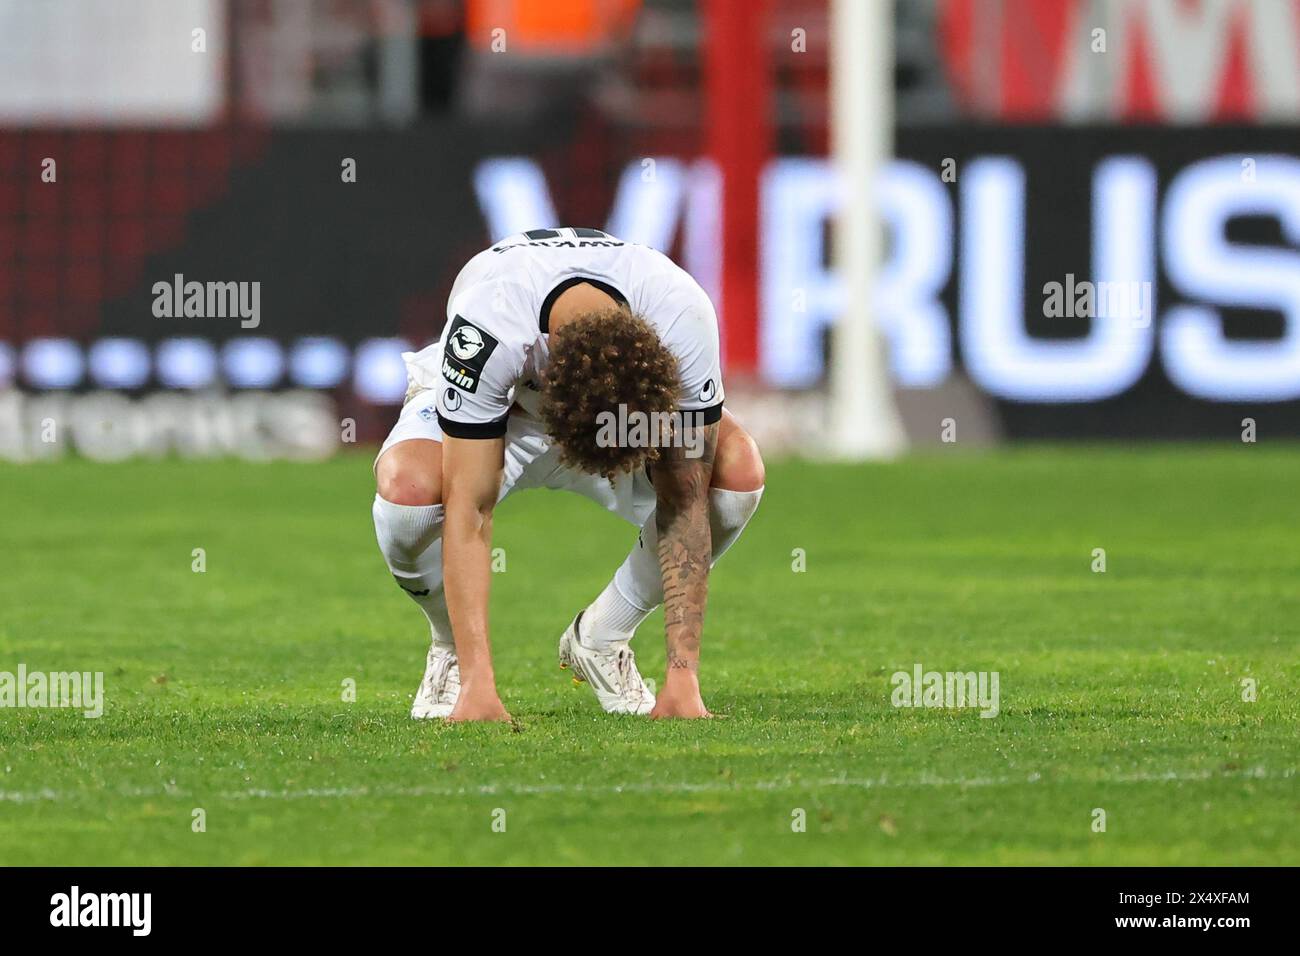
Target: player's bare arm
{"points": [[471, 479], [685, 553]]}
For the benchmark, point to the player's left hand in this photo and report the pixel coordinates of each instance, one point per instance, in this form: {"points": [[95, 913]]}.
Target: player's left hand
{"points": [[680, 697]]}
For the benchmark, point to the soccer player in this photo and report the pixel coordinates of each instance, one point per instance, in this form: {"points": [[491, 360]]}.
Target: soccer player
{"points": [[560, 345]]}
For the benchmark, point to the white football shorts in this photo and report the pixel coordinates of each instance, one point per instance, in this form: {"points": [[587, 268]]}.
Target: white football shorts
{"points": [[531, 460]]}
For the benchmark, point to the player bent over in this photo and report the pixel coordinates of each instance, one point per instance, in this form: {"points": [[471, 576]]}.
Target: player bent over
{"points": [[551, 336]]}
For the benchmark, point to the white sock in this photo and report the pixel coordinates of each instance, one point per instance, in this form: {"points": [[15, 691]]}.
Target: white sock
{"points": [[637, 587], [410, 539]]}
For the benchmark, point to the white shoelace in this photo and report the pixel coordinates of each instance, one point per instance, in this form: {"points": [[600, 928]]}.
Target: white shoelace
{"points": [[629, 676], [435, 683]]}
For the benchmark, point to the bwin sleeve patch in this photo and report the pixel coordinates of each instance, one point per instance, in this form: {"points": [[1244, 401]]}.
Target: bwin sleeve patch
{"points": [[467, 351]]}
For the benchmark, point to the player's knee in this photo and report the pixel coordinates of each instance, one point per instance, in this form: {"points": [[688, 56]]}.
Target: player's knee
{"points": [[739, 465], [404, 487], [408, 479]]}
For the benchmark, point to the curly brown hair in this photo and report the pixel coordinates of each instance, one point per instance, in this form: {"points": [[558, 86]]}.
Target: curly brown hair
{"points": [[602, 362]]}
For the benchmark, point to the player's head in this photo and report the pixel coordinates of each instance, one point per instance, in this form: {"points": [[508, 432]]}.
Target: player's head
{"points": [[604, 365]]}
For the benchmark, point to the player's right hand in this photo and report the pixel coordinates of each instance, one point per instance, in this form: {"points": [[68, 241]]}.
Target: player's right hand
{"points": [[485, 706]]}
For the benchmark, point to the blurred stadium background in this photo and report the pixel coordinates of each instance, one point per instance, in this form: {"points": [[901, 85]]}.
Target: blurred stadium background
{"points": [[1033, 142]]}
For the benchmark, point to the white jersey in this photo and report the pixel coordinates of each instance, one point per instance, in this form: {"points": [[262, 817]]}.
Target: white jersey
{"points": [[494, 347]]}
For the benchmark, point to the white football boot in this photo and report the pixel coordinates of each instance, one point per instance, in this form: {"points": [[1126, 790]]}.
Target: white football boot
{"points": [[609, 669], [440, 687]]}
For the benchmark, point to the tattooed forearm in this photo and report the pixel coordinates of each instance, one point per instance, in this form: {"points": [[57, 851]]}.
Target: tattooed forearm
{"points": [[685, 545]]}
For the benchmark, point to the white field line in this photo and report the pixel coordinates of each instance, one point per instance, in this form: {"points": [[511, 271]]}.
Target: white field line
{"points": [[717, 786]]}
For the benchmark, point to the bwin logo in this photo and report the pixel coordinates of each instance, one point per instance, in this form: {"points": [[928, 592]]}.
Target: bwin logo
{"points": [[466, 342], [453, 374]]}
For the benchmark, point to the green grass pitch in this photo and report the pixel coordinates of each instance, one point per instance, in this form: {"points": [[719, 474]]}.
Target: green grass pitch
{"points": [[1120, 691]]}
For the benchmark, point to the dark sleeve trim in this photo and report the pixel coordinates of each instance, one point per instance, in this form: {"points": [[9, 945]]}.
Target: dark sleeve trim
{"points": [[544, 318], [712, 414], [473, 429]]}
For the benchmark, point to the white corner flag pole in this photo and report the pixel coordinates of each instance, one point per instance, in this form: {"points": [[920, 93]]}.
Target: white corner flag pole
{"points": [[863, 419]]}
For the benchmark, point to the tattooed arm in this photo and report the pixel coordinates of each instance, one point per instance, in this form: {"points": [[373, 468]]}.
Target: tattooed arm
{"points": [[681, 478]]}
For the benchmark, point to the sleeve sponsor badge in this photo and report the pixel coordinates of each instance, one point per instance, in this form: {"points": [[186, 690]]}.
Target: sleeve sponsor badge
{"points": [[467, 350]]}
